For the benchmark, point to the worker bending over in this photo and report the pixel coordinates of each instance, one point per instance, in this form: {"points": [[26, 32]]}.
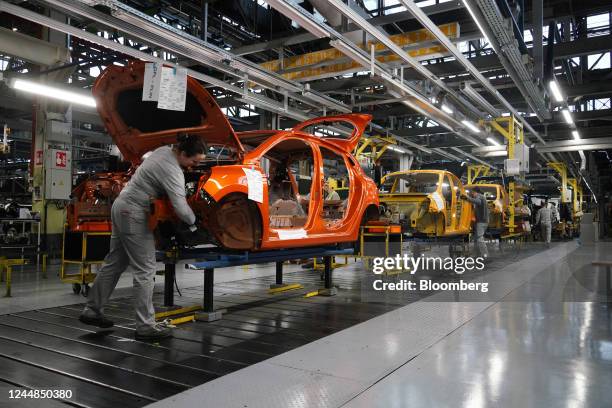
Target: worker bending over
{"points": [[544, 217], [481, 209], [132, 242]]}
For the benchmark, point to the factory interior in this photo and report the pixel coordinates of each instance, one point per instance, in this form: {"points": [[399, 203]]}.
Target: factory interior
{"points": [[305, 203]]}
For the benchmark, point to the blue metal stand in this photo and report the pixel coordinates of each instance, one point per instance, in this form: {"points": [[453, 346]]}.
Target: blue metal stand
{"points": [[208, 259]]}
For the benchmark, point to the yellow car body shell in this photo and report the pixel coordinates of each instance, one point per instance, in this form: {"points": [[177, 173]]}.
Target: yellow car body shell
{"points": [[426, 203]]}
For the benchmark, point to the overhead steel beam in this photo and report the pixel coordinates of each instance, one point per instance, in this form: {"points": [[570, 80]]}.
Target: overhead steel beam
{"points": [[601, 143], [68, 29], [537, 12], [433, 28], [446, 154], [471, 156], [383, 37], [576, 145], [397, 86], [376, 21], [32, 49], [153, 31]]}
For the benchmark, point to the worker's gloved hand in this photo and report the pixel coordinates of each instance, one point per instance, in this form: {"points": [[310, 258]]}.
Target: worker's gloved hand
{"points": [[191, 235]]}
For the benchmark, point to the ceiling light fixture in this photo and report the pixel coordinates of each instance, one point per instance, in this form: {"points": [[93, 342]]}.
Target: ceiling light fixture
{"points": [[54, 93], [576, 135], [567, 116], [493, 141], [556, 91], [447, 109], [469, 9], [471, 126]]}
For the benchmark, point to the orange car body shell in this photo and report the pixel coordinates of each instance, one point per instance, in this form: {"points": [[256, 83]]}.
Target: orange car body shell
{"points": [[223, 181]]}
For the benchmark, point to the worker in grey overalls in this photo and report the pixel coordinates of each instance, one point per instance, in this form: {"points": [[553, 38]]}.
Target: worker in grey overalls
{"points": [[132, 242], [544, 217], [481, 211]]}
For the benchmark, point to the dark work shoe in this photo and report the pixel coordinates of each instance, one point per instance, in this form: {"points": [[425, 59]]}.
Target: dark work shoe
{"points": [[99, 321], [155, 332]]}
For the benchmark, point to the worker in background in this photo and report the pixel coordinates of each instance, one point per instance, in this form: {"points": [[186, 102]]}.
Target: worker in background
{"points": [[555, 212], [330, 193], [544, 217], [481, 210], [132, 242]]}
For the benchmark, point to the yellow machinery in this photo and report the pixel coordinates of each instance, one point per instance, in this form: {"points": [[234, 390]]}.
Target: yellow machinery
{"points": [[512, 130], [568, 228], [377, 146], [561, 168], [478, 170], [84, 249], [380, 241], [577, 197], [6, 265]]}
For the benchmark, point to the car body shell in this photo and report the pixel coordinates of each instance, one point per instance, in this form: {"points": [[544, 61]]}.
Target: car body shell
{"points": [[220, 200], [434, 213]]}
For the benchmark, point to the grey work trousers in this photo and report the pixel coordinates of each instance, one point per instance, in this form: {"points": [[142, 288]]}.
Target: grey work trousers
{"points": [[481, 245], [546, 231], [132, 244]]}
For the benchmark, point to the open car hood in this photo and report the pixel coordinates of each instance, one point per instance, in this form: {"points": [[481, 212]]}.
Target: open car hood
{"points": [[138, 127]]}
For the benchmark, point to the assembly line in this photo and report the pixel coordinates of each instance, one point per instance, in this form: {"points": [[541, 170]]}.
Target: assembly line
{"points": [[318, 203]]}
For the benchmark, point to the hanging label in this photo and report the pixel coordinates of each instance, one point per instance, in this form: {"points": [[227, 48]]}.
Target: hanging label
{"points": [[254, 184], [172, 89], [438, 200], [38, 159], [152, 79]]}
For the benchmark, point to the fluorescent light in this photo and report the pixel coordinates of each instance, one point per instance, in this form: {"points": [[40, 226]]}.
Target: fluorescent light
{"points": [[471, 126], [567, 116], [54, 93], [467, 6], [493, 141], [447, 109], [576, 134], [300, 16], [556, 91], [397, 149]]}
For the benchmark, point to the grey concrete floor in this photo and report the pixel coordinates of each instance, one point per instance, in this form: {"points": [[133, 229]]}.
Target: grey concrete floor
{"points": [[542, 338]]}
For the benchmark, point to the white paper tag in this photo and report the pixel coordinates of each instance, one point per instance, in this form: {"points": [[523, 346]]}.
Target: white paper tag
{"points": [[172, 89], [152, 78], [438, 200], [254, 184], [291, 234]]}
